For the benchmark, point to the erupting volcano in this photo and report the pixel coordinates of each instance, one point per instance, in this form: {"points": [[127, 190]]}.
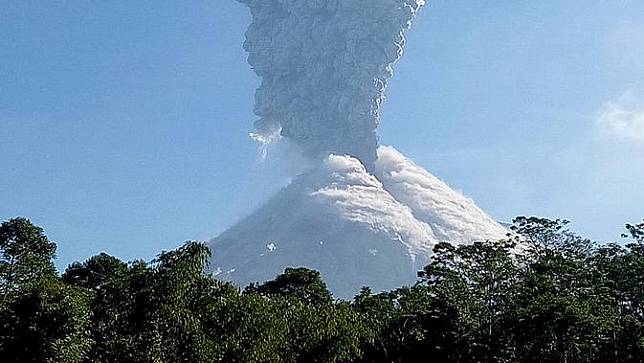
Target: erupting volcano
{"points": [[363, 214]]}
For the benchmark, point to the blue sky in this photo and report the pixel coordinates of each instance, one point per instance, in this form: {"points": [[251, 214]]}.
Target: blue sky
{"points": [[123, 125]]}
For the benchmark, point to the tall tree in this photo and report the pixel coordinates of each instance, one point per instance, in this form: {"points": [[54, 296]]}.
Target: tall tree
{"points": [[41, 318], [564, 311], [26, 255], [474, 287]]}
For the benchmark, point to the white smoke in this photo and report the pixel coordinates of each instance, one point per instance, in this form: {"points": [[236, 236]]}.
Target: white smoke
{"points": [[451, 215], [353, 194], [402, 200]]}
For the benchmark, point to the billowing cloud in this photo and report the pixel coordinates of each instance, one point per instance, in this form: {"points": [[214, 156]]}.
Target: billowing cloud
{"points": [[324, 66], [450, 215]]}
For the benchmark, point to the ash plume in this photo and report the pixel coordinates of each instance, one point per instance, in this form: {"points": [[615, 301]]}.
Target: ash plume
{"points": [[324, 66], [360, 213]]}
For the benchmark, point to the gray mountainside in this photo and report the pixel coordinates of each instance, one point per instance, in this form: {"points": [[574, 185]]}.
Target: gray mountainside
{"points": [[355, 227]]}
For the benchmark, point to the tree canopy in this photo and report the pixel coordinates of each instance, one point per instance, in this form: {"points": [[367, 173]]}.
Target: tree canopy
{"points": [[544, 294]]}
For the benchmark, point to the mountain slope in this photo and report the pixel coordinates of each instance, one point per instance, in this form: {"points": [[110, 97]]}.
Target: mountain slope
{"points": [[356, 228]]}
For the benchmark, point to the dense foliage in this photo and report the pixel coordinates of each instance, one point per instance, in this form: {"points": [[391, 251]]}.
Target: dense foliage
{"points": [[543, 295]]}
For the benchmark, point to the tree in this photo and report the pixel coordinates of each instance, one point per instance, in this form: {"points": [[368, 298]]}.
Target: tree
{"points": [[327, 332], [48, 321], [398, 321], [174, 302], [95, 273], [543, 295], [161, 311], [107, 279], [473, 287], [26, 255], [302, 283], [619, 273], [564, 311], [636, 232]]}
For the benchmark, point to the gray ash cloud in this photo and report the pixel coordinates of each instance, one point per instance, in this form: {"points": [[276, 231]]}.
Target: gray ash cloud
{"points": [[324, 66]]}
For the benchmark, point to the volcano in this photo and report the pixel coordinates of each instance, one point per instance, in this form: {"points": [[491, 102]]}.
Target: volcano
{"points": [[363, 214]]}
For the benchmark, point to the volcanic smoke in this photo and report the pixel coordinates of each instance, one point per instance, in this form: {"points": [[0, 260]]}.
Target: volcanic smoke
{"points": [[324, 66]]}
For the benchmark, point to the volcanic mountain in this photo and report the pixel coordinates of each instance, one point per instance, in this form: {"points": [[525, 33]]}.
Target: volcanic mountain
{"points": [[363, 214], [356, 228]]}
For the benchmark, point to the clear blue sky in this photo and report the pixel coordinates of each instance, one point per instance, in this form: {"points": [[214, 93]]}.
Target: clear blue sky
{"points": [[123, 124]]}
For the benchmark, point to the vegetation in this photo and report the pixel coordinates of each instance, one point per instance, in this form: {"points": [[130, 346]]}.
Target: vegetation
{"points": [[543, 295]]}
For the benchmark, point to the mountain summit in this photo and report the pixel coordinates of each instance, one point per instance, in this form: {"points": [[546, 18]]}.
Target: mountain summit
{"points": [[356, 228]]}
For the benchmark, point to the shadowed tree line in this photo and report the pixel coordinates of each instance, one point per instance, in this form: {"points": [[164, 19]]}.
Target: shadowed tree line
{"points": [[544, 294]]}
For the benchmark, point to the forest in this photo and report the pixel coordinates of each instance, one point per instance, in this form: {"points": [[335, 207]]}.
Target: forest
{"points": [[544, 294]]}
